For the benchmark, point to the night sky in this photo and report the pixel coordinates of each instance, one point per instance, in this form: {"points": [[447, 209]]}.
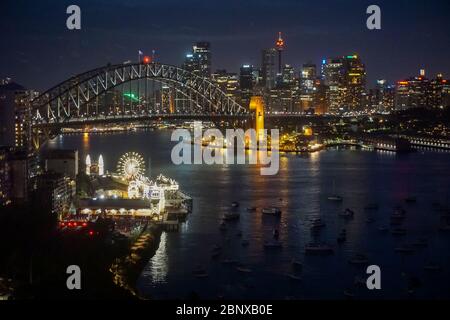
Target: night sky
{"points": [[38, 51]]}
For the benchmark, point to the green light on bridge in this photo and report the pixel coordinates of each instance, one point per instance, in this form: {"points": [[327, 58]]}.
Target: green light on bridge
{"points": [[131, 96]]}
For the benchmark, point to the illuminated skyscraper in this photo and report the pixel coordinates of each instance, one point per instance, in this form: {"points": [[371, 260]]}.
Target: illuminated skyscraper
{"points": [[288, 77], [227, 82], [279, 45], [246, 83], [268, 68], [413, 92], [307, 86], [333, 72], [345, 79], [199, 60], [439, 92], [354, 82], [14, 113]]}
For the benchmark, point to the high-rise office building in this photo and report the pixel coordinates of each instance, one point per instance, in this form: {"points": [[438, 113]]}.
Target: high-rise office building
{"points": [[307, 87], [288, 76], [246, 83], [345, 79], [14, 114], [333, 73], [439, 92], [308, 75], [354, 82], [5, 180], [381, 98], [199, 60], [268, 68], [279, 45], [227, 82], [55, 192], [413, 92], [11, 106]]}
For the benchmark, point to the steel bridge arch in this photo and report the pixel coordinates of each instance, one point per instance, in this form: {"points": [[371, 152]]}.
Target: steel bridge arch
{"points": [[68, 98]]}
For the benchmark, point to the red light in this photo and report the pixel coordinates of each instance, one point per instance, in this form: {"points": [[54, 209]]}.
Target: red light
{"points": [[84, 224], [69, 224], [74, 224], [91, 233], [146, 59], [62, 224]]}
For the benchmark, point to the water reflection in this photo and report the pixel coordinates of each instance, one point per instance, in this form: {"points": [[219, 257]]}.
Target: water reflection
{"points": [[300, 189]]}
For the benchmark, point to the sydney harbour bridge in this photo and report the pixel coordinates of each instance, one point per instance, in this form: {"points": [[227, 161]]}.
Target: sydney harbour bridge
{"points": [[80, 100]]}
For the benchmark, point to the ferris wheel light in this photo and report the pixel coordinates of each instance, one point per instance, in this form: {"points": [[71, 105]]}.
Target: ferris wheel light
{"points": [[131, 165]]}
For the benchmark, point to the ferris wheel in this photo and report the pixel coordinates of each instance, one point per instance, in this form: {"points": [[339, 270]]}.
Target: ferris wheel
{"points": [[131, 165]]}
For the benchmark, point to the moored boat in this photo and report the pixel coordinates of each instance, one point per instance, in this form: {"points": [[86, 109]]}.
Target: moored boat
{"points": [[271, 211], [347, 213]]}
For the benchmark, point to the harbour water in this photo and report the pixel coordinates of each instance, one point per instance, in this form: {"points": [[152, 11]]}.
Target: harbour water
{"points": [[300, 189]]}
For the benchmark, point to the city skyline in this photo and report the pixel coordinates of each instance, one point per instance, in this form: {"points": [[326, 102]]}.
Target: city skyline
{"points": [[318, 35]]}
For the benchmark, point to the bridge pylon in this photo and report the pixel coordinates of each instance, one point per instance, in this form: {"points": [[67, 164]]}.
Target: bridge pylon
{"points": [[257, 105]]}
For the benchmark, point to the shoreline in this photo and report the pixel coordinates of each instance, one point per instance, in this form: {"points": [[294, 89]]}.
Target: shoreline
{"points": [[125, 271]]}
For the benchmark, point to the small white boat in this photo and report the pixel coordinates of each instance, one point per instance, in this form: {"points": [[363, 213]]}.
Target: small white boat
{"points": [[347, 213], [335, 198], [235, 204], [271, 211], [251, 209]]}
